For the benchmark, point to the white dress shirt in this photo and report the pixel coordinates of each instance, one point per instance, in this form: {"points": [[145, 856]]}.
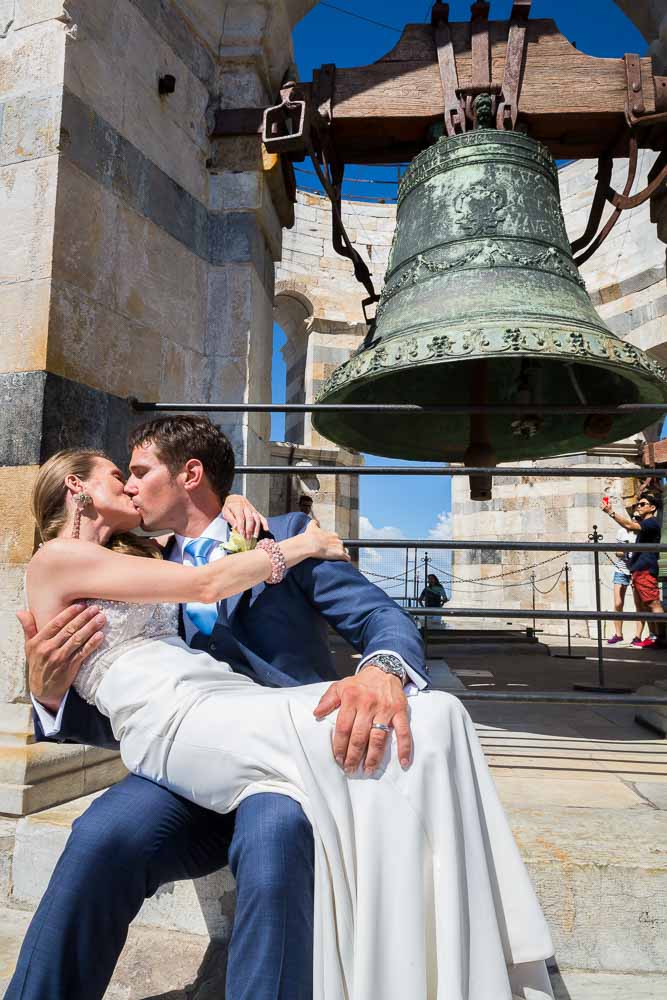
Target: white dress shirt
{"points": [[218, 529]]}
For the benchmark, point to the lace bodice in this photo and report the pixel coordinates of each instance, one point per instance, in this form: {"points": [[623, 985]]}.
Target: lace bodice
{"points": [[128, 625]]}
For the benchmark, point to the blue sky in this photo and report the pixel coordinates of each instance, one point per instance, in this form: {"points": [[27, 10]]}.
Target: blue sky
{"points": [[415, 506]]}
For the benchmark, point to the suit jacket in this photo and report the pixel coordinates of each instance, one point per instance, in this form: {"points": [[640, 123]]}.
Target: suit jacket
{"points": [[278, 634]]}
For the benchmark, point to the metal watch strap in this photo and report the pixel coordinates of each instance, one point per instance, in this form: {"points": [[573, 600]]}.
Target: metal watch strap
{"points": [[390, 665]]}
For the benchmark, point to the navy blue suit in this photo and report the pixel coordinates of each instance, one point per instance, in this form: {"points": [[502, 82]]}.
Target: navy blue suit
{"points": [[139, 835]]}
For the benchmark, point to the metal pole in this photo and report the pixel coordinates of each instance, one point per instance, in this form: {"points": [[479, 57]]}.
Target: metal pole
{"points": [[407, 571], [596, 538], [425, 636], [532, 584], [567, 606], [415, 585]]}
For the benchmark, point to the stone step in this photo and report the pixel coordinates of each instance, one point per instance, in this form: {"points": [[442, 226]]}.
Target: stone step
{"points": [[173, 965], [202, 906], [154, 964], [607, 986], [581, 857]]}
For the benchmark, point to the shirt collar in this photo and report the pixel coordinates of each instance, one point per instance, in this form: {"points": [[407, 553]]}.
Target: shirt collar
{"points": [[217, 529]]}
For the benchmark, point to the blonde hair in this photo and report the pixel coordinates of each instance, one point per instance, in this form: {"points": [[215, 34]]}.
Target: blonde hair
{"points": [[49, 494]]}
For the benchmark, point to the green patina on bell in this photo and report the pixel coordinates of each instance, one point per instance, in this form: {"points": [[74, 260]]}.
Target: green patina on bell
{"points": [[483, 303]]}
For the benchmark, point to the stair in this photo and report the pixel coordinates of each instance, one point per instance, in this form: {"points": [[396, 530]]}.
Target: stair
{"points": [[585, 791]]}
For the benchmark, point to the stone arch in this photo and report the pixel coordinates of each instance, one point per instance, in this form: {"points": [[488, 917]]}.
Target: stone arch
{"points": [[293, 311]]}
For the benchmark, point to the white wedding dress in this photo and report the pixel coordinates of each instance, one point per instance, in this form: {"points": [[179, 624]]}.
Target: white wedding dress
{"points": [[420, 891]]}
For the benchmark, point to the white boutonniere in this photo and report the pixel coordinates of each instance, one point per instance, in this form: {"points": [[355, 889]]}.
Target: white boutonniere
{"points": [[237, 543]]}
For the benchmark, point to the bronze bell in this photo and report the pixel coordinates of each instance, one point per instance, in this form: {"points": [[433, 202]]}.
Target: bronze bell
{"points": [[483, 303]]}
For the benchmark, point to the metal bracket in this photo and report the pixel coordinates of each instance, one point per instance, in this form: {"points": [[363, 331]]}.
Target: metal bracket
{"points": [[324, 80], [634, 102], [624, 201], [284, 126], [455, 117], [603, 188], [508, 107]]}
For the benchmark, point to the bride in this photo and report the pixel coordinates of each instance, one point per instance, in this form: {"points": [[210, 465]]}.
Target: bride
{"points": [[419, 888]]}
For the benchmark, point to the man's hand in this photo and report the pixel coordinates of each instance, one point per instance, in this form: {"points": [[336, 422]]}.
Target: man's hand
{"points": [[371, 696], [56, 653], [606, 507]]}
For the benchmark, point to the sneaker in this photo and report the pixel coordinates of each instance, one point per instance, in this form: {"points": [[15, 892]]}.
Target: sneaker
{"points": [[637, 642], [647, 643], [614, 639]]}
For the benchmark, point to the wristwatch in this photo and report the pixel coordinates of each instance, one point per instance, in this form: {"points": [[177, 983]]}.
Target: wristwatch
{"points": [[390, 665]]}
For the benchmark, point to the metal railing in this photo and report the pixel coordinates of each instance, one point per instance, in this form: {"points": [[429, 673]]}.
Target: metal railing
{"points": [[586, 695]]}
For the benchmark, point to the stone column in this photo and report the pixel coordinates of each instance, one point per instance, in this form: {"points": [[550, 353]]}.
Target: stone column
{"points": [[134, 261]]}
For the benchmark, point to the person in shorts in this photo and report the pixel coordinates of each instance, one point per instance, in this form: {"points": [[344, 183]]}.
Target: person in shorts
{"points": [[621, 581], [644, 565]]}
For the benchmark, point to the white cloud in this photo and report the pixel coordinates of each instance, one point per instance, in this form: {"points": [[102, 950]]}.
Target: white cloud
{"points": [[383, 566], [368, 530], [442, 527]]}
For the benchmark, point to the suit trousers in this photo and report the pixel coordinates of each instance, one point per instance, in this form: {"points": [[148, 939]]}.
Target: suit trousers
{"points": [[136, 837]]}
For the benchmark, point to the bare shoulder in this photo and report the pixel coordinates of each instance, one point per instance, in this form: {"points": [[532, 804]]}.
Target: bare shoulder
{"points": [[64, 553]]}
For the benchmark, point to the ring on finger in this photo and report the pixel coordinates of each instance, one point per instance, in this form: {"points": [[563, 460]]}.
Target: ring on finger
{"points": [[382, 726]]}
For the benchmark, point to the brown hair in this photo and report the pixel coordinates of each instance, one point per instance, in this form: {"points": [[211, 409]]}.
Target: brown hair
{"points": [[49, 495], [178, 439]]}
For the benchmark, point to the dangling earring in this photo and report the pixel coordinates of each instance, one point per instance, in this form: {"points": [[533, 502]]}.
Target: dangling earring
{"points": [[81, 500]]}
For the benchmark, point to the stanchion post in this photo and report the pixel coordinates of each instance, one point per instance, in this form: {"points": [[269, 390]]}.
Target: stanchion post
{"points": [[425, 635], [567, 608], [596, 537]]}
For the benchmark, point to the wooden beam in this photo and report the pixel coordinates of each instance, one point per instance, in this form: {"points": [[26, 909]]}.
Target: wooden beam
{"points": [[573, 102]]}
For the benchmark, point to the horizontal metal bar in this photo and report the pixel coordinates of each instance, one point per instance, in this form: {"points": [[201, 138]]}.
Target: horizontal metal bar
{"points": [[496, 546], [529, 613], [490, 409], [559, 698], [448, 470]]}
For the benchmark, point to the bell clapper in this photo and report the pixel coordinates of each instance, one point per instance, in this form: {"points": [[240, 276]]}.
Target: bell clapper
{"points": [[480, 451], [526, 425]]}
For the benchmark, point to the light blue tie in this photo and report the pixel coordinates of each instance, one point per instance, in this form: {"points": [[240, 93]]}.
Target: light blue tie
{"points": [[202, 616]]}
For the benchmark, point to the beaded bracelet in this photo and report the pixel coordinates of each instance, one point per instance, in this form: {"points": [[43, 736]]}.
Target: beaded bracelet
{"points": [[278, 564]]}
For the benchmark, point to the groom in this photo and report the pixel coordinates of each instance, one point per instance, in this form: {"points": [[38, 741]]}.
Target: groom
{"points": [[138, 835]]}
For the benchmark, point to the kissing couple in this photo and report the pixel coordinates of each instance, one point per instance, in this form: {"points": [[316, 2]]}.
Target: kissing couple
{"points": [[371, 853]]}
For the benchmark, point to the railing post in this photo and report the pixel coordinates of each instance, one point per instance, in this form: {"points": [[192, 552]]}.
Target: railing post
{"points": [[532, 587], [425, 635], [567, 607], [596, 537]]}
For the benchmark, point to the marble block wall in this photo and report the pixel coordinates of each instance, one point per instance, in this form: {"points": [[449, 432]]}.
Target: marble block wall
{"points": [[136, 257], [335, 499], [318, 306]]}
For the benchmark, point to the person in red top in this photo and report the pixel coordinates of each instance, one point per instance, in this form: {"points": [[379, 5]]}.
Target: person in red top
{"points": [[644, 565]]}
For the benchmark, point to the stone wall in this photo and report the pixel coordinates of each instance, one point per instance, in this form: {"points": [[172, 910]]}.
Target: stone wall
{"points": [[335, 499], [318, 306], [136, 257]]}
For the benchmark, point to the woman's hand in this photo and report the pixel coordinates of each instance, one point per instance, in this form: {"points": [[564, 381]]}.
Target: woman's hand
{"points": [[325, 544], [240, 515]]}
